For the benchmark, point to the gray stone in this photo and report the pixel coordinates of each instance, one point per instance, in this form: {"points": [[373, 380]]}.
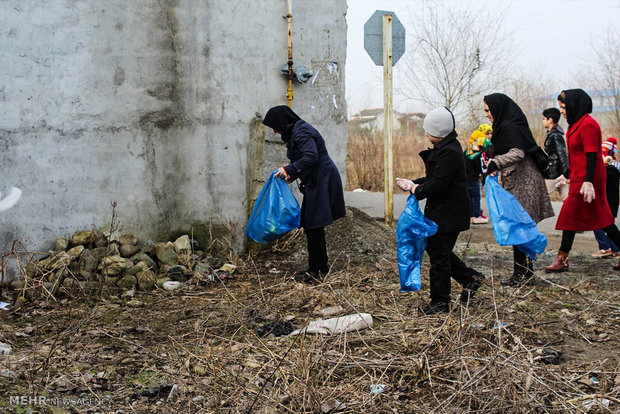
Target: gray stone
{"points": [[83, 237], [130, 239], [149, 250], [183, 244], [166, 253], [202, 267], [87, 265], [128, 250], [55, 261], [179, 273], [18, 283], [143, 257], [75, 252], [138, 267], [112, 265], [61, 244], [146, 280], [127, 282], [101, 252]]}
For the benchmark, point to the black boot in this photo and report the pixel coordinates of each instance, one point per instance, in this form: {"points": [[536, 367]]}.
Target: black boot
{"points": [[469, 289], [435, 307]]}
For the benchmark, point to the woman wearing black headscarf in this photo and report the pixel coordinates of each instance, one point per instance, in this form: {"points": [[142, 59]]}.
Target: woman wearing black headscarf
{"points": [[512, 147], [320, 184], [586, 207]]}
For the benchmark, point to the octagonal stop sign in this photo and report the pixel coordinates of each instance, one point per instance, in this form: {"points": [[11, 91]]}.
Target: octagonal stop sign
{"points": [[373, 37]]}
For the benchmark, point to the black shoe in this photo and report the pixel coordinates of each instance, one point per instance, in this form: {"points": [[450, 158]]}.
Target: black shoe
{"points": [[435, 307], [516, 280], [310, 277], [469, 290]]}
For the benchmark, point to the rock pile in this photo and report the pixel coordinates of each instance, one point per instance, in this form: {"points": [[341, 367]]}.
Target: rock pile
{"points": [[89, 260]]}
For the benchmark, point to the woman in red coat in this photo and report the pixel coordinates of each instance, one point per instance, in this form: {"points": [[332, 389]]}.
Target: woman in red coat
{"points": [[586, 207]]}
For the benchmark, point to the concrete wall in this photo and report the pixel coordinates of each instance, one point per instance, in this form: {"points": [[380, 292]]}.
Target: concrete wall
{"points": [[153, 104]]}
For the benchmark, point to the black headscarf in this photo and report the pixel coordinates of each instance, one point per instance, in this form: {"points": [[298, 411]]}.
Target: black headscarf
{"points": [[578, 103], [510, 126], [282, 119]]}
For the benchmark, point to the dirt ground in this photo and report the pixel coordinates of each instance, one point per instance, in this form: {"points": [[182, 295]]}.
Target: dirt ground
{"points": [[552, 347]]}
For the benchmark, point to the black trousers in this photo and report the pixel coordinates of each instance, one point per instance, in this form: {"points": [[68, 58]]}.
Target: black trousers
{"points": [[317, 250], [568, 237], [523, 266], [446, 264]]}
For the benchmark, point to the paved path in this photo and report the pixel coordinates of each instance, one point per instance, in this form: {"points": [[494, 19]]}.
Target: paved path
{"points": [[372, 204]]}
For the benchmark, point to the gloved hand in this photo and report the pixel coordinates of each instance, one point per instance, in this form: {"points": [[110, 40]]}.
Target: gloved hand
{"points": [[406, 185], [561, 181]]}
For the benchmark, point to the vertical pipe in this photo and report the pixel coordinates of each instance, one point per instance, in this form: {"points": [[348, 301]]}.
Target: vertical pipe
{"points": [[387, 129], [289, 18]]}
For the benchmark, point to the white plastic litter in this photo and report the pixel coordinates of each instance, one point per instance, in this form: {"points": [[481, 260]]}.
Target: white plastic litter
{"points": [[348, 323], [5, 349], [171, 285], [4, 305], [10, 200]]}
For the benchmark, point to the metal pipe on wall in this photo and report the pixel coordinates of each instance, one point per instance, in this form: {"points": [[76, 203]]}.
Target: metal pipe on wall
{"points": [[289, 18]]}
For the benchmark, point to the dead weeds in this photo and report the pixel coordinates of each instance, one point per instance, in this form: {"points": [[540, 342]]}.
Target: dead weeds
{"points": [[547, 348]]}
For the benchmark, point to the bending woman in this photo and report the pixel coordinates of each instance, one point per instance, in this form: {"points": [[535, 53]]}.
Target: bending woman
{"points": [[586, 207], [320, 184], [512, 147]]}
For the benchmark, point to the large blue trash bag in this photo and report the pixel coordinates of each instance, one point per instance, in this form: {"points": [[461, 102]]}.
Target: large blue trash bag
{"points": [[275, 213], [411, 232], [512, 225]]}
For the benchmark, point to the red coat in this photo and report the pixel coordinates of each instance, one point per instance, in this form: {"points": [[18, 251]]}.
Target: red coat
{"points": [[585, 136]]}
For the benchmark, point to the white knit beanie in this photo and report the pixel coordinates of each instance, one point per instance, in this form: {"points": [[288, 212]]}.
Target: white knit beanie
{"points": [[439, 122]]}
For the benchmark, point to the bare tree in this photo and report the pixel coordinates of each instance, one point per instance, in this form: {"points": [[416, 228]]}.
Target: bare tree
{"points": [[456, 57], [605, 74], [533, 93]]}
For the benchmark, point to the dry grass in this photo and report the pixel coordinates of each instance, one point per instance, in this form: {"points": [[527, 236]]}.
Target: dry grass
{"points": [[200, 344], [365, 157]]}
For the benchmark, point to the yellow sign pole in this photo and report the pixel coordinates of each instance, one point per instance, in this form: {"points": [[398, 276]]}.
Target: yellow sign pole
{"points": [[388, 126]]}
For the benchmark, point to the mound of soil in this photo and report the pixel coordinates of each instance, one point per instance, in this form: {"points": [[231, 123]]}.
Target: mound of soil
{"points": [[359, 236]]}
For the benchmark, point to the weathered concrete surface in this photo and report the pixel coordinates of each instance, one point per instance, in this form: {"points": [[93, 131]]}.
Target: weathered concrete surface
{"points": [[151, 103]]}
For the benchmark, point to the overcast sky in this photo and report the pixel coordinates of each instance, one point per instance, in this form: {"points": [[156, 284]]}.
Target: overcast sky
{"points": [[535, 23]]}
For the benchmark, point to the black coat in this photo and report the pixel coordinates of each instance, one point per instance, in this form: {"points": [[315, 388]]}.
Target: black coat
{"points": [[612, 187], [444, 186], [320, 180], [473, 167], [555, 147]]}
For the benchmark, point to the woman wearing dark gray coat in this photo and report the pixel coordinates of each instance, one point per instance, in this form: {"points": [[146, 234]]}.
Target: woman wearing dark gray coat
{"points": [[319, 182], [512, 149]]}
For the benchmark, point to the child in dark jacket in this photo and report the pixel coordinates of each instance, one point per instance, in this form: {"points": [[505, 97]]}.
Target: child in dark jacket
{"points": [[479, 142], [609, 150], [447, 204]]}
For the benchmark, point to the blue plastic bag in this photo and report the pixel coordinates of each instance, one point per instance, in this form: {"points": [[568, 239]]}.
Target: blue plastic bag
{"points": [[411, 232], [512, 225], [275, 213]]}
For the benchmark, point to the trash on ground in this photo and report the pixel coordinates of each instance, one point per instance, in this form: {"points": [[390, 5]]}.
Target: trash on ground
{"points": [[171, 285], [377, 388], [331, 311], [4, 305], [348, 323], [5, 349], [276, 328]]}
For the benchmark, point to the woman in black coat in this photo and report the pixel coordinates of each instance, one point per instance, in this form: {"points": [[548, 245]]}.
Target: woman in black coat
{"points": [[320, 183]]}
